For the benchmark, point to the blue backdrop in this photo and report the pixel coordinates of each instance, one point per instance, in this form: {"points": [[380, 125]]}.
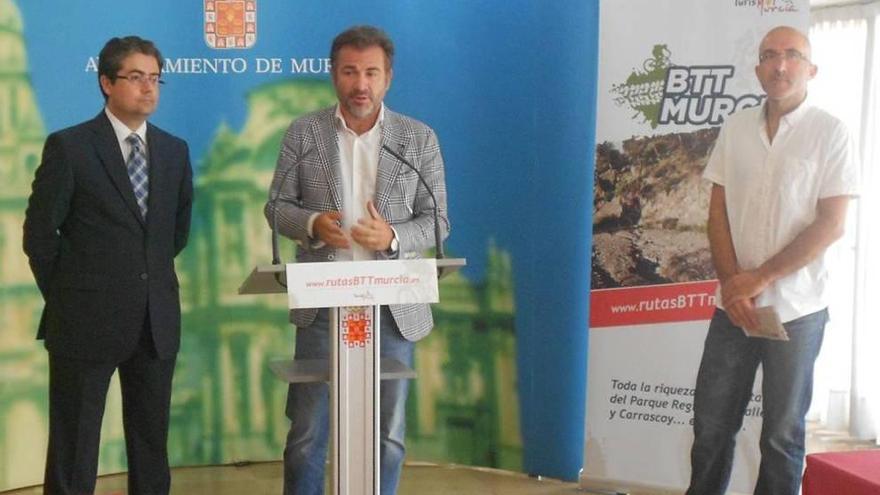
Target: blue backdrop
{"points": [[510, 89]]}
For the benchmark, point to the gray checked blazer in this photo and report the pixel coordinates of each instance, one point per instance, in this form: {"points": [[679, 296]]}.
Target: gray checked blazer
{"points": [[307, 181]]}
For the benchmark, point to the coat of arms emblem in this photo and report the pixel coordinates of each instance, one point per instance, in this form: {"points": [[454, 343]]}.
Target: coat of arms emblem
{"points": [[357, 326], [230, 23]]}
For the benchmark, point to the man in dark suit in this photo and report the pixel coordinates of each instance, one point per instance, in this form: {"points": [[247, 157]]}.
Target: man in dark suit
{"points": [[109, 211], [342, 196]]}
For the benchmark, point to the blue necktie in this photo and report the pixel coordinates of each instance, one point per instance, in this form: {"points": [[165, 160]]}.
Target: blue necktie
{"points": [[137, 171]]}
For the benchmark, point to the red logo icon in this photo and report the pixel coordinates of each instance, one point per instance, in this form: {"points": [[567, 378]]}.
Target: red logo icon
{"points": [[357, 328]]}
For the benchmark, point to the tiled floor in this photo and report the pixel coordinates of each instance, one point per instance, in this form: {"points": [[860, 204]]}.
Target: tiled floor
{"points": [[265, 478], [417, 478]]}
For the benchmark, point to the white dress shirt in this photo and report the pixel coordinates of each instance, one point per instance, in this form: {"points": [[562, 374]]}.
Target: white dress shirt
{"points": [[358, 163], [122, 132], [772, 192]]}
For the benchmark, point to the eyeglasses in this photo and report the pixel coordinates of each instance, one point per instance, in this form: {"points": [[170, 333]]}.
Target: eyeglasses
{"points": [[771, 56], [141, 78]]}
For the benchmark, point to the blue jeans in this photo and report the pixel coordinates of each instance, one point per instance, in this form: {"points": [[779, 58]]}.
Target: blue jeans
{"points": [[307, 408], [724, 387]]}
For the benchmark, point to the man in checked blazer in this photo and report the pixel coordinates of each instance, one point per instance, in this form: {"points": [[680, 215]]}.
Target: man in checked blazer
{"points": [[341, 196], [109, 211]]}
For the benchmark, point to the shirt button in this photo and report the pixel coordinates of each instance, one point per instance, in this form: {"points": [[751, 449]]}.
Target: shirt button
{"points": [[144, 276]]}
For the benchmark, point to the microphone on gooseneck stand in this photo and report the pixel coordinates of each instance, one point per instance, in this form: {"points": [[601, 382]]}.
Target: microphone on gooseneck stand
{"points": [[276, 256], [438, 242]]}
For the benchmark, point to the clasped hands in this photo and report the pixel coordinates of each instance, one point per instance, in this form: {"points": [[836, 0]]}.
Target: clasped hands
{"points": [[738, 294], [372, 233]]}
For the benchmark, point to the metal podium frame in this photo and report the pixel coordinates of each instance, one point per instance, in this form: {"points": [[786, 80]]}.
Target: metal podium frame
{"points": [[354, 372]]}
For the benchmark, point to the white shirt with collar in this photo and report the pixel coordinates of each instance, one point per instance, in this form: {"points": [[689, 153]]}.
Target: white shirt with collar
{"points": [[358, 167], [358, 164], [772, 192], [122, 132]]}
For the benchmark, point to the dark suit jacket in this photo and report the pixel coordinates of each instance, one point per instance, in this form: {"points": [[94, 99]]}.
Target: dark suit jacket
{"points": [[98, 264]]}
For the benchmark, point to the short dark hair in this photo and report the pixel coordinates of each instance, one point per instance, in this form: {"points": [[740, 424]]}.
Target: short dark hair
{"points": [[117, 49], [362, 37]]}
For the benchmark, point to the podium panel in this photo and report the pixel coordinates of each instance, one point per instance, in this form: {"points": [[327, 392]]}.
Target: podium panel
{"points": [[354, 400], [354, 291]]}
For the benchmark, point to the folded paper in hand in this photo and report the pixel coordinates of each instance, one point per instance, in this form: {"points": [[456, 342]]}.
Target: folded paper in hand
{"points": [[769, 325]]}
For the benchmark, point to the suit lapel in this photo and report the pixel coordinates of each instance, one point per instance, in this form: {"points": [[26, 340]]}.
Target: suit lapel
{"points": [[389, 166], [111, 158], [328, 150], [155, 158]]}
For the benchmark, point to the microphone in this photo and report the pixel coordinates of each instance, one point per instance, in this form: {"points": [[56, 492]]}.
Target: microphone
{"points": [[276, 257], [437, 238]]}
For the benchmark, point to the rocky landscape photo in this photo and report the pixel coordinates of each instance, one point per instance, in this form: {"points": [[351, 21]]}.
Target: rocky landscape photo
{"points": [[650, 206]]}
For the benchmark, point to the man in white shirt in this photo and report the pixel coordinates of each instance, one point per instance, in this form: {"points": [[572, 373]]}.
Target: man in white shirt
{"points": [[783, 174], [341, 195]]}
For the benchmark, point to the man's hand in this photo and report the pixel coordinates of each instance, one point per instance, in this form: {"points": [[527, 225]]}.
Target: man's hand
{"points": [[742, 314], [743, 285], [373, 233], [738, 294], [328, 229]]}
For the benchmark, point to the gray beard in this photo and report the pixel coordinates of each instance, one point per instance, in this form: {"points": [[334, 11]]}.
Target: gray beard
{"points": [[360, 112]]}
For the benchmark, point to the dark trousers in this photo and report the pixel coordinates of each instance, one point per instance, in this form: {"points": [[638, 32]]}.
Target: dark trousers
{"points": [[77, 393]]}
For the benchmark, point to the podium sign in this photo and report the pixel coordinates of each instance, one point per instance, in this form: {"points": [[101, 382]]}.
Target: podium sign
{"points": [[361, 283]]}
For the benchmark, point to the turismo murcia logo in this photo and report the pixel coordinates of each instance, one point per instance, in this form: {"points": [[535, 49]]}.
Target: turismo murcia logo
{"points": [[230, 24], [768, 5]]}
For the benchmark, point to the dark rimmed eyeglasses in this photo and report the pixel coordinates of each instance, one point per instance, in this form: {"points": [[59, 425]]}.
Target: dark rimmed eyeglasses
{"points": [[770, 56], [141, 78]]}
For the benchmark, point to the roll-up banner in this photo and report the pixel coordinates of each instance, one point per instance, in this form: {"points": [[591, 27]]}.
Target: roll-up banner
{"points": [[668, 78]]}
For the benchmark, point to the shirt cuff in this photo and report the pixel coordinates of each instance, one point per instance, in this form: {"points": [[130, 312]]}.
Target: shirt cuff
{"points": [[315, 243], [393, 251]]}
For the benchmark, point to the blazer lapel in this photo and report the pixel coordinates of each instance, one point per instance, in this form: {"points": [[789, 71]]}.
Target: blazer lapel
{"points": [[155, 159], [111, 157], [328, 150], [389, 166]]}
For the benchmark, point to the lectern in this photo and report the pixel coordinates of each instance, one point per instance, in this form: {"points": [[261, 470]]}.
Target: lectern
{"points": [[354, 292]]}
